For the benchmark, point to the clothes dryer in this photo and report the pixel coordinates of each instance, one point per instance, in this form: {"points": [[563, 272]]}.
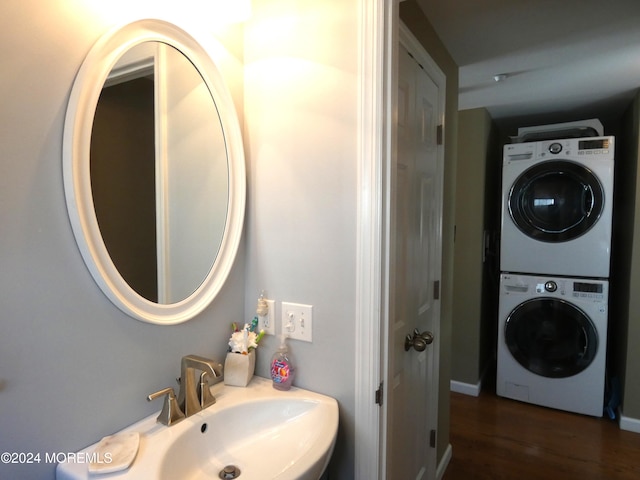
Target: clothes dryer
{"points": [[552, 338], [557, 199]]}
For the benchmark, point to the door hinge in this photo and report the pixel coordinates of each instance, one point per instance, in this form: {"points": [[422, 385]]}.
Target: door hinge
{"points": [[380, 394], [432, 439], [439, 131], [436, 290]]}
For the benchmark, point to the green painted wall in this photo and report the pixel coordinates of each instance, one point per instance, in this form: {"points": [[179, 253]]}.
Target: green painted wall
{"points": [[624, 318], [476, 184]]}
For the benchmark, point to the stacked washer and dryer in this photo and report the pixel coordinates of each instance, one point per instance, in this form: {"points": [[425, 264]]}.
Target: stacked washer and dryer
{"points": [[557, 197]]}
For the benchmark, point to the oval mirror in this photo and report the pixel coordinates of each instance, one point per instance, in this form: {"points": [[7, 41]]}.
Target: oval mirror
{"points": [[154, 171]]}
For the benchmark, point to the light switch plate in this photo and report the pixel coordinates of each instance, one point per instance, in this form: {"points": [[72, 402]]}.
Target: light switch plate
{"points": [[297, 321]]}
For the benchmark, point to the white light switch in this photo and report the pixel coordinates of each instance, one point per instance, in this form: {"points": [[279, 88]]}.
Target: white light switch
{"points": [[297, 321]]}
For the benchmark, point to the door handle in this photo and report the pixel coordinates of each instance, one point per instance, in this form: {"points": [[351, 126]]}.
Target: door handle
{"points": [[426, 336], [418, 341]]}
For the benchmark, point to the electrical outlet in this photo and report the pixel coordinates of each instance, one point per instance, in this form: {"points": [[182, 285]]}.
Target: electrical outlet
{"points": [[297, 321], [268, 322]]}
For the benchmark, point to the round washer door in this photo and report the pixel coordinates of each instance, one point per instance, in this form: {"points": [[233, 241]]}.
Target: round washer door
{"points": [[551, 337], [556, 201]]}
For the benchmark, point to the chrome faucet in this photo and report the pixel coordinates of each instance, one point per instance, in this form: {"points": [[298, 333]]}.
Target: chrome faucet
{"points": [[193, 398], [171, 412]]}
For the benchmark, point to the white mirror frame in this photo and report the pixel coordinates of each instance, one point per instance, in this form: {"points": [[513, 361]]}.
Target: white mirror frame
{"points": [[76, 170]]}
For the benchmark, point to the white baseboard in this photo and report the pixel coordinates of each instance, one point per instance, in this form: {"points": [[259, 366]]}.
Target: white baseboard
{"points": [[629, 424], [465, 388], [469, 388], [444, 462]]}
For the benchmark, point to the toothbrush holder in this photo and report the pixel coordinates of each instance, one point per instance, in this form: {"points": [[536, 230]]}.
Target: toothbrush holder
{"points": [[239, 368]]}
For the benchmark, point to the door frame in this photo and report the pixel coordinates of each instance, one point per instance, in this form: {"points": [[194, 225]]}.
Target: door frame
{"points": [[379, 36]]}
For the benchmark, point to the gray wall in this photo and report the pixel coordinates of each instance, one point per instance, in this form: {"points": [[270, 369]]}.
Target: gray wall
{"points": [[73, 368], [301, 100]]}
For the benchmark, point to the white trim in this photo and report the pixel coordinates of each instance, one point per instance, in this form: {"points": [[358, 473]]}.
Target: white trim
{"points": [[444, 462], [630, 424], [378, 41], [466, 388], [469, 388], [371, 122], [389, 81]]}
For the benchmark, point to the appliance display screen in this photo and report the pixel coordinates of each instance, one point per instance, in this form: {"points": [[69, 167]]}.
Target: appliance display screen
{"points": [[590, 144], [587, 287]]}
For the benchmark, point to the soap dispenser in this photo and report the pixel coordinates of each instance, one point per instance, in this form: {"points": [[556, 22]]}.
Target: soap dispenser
{"points": [[282, 368]]}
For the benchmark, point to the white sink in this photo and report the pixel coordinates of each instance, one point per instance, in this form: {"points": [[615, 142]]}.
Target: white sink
{"points": [[264, 432]]}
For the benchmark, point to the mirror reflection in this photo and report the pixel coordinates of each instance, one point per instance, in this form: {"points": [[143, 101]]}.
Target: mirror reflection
{"points": [[159, 172]]}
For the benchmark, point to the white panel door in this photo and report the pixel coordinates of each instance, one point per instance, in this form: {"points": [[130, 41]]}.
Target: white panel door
{"points": [[416, 252]]}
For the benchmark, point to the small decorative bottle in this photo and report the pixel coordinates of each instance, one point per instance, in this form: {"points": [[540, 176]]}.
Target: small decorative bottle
{"points": [[282, 368]]}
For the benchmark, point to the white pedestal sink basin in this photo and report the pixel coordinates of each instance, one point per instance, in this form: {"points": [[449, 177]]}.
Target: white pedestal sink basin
{"points": [[264, 432]]}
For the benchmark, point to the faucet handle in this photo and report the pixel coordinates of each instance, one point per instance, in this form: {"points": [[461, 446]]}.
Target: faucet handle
{"points": [[171, 412]]}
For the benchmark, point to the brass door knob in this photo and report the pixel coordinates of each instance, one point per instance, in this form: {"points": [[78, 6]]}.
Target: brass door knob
{"points": [[418, 341]]}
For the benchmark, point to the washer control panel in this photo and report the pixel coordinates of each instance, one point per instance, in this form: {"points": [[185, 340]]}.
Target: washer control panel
{"points": [[586, 289], [591, 290]]}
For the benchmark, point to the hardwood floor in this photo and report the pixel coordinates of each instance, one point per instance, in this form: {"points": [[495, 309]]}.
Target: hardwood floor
{"points": [[496, 438]]}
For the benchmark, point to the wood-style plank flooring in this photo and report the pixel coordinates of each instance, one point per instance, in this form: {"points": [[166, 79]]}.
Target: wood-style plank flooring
{"points": [[495, 438]]}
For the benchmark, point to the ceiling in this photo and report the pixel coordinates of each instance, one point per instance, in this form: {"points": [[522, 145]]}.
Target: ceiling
{"points": [[563, 60]]}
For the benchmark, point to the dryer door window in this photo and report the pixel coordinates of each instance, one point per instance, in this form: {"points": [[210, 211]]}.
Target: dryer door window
{"points": [[551, 337], [556, 201]]}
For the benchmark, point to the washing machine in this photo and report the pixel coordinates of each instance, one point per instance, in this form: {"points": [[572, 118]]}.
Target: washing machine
{"points": [[557, 199], [552, 341]]}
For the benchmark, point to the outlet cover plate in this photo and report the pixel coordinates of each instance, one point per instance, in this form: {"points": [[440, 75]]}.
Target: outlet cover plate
{"points": [[297, 321], [268, 322]]}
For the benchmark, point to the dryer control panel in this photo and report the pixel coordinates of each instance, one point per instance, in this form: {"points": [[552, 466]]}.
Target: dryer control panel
{"points": [[593, 147]]}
